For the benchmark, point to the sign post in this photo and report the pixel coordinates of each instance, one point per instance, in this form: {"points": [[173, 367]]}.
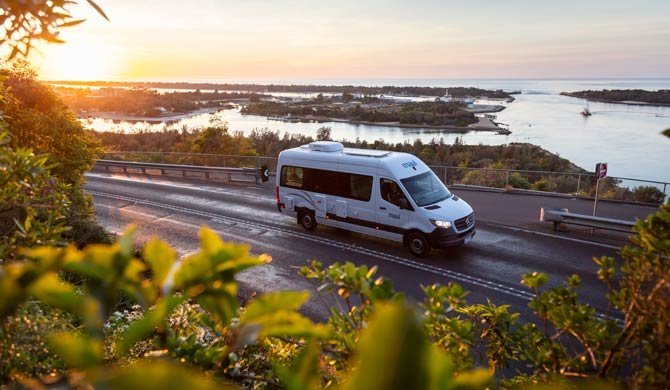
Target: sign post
{"points": [[601, 173]]}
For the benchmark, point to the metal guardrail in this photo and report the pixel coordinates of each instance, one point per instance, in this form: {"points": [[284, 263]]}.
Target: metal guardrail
{"points": [[570, 183], [230, 174], [559, 216]]}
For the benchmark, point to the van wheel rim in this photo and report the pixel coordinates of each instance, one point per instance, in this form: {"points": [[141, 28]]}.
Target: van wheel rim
{"points": [[417, 245], [307, 220]]}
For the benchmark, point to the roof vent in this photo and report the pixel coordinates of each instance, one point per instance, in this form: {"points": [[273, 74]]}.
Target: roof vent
{"points": [[326, 146]]}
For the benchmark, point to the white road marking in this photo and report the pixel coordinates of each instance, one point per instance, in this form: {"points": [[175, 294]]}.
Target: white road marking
{"points": [[185, 186], [529, 231], [154, 218]]}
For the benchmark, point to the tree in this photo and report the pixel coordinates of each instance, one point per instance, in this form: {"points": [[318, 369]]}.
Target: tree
{"points": [[323, 134], [24, 22]]}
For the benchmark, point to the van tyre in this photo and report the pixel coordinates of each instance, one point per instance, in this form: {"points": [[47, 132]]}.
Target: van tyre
{"points": [[418, 244], [307, 220]]}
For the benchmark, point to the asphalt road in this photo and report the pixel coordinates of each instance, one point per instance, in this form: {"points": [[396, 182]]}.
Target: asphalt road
{"points": [[490, 267]]}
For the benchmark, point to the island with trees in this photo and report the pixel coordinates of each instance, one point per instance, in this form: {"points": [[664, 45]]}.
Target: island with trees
{"points": [[293, 88], [660, 97], [147, 104], [452, 115]]}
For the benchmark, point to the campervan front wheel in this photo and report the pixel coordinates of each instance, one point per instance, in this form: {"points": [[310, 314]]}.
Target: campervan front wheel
{"points": [[307, 220], [418, 244]]}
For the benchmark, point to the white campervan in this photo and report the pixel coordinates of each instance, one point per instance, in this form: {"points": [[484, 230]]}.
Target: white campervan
{"points": [[383, 194]]}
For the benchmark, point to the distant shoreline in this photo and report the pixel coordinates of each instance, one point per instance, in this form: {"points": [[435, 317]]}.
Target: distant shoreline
{"points": [[389, 90], [488, 125], [483, 124], [625, 102], [150, 119]]}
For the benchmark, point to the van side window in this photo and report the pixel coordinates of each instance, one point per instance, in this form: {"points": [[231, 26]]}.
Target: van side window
{"points": [[291, 177], [390, 191], [360, 187], [346, 185]]}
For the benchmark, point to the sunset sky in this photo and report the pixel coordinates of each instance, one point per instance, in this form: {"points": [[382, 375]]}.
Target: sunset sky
{"points": [[224, 40]]}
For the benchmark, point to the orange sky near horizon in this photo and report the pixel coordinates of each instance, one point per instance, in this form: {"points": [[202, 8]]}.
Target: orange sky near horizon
{"points": [[255, 40]]}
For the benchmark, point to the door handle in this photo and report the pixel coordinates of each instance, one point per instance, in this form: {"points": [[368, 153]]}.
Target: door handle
{"points": [[382, 208]]}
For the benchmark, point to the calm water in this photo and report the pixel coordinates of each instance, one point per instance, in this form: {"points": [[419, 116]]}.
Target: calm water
{"points": [[627, 137]]}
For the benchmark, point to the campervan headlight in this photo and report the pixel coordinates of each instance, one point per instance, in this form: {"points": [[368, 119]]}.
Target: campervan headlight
{"points": [[442, 224]]}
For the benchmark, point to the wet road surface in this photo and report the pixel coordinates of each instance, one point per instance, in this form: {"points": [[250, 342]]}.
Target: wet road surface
{"points": [[490, 267]]}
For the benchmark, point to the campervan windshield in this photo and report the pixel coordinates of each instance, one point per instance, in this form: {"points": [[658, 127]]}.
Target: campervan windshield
{"points": [[426, 189]]}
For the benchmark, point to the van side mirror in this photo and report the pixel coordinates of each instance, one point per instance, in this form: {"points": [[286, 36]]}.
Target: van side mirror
{"points": [[404, 204]]}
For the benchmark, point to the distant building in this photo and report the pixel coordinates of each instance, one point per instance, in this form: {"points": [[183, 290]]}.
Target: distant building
{"points": [[448, 99]]}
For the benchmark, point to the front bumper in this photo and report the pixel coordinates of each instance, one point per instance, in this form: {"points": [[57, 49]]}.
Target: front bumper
{"points": [[440, 237]]}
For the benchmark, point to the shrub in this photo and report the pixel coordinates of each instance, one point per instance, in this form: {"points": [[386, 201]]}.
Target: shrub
{"points": [[24, 348], [486, 178], [544, 184], [648, 194], [518, 181]]}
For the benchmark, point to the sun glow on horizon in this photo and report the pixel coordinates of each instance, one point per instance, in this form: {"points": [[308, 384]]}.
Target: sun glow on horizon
{"points": [[79, 60]]}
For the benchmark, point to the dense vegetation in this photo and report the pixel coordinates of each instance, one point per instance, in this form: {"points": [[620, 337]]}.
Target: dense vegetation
{"points": [[145, 102], [269, 88], [459, 157], [269, 143], [415, 113], [46, 188], [122, 318], [660, 97]]}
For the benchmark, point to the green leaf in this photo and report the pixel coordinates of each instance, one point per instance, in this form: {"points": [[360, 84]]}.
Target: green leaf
{"points": [[274, 314], [147, 324], [161, 258], [210, 242], [127, 241], [77, 350], [392, 352], [158, 375], [535, 280], [304, 371], [97, 9], [272, 302], [52, 290]]}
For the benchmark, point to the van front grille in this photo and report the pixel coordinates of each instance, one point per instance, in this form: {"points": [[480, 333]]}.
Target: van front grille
{"points": [[465, 223]]}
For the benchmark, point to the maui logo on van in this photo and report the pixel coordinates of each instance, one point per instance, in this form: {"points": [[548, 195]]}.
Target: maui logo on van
{"points": [[410, 164]]}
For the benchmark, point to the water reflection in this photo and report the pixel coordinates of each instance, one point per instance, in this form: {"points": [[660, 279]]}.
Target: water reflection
{"points": [[627, 137]]}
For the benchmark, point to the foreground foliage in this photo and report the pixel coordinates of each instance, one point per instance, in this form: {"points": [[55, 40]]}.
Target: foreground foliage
{"points": [[187, 315], [216, 334]]}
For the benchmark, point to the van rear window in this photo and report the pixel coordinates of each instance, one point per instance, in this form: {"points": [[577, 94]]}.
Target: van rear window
{"points": [[346, 185]]}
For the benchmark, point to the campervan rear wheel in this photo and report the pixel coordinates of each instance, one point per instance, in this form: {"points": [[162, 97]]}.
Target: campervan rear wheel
{"points": [[307, 220], [418, 244]]}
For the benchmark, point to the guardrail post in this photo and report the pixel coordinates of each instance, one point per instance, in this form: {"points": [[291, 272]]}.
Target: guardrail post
{"points": [[506, 179], [446, 175], [579, 183], [183, 173], [144, 170], [207, 175], [125, 169], [106, 167], [162, 171], [665, 195]]}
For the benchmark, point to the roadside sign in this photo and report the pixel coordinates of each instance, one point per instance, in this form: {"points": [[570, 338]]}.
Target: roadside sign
{"points": [[601, 170], [601, 173]]}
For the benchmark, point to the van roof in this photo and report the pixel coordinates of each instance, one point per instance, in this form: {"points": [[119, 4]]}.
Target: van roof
{"points": [[400, 164]]}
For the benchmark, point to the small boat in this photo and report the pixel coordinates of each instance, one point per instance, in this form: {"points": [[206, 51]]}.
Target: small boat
{"points": [[586, 112], [503, 131]]}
